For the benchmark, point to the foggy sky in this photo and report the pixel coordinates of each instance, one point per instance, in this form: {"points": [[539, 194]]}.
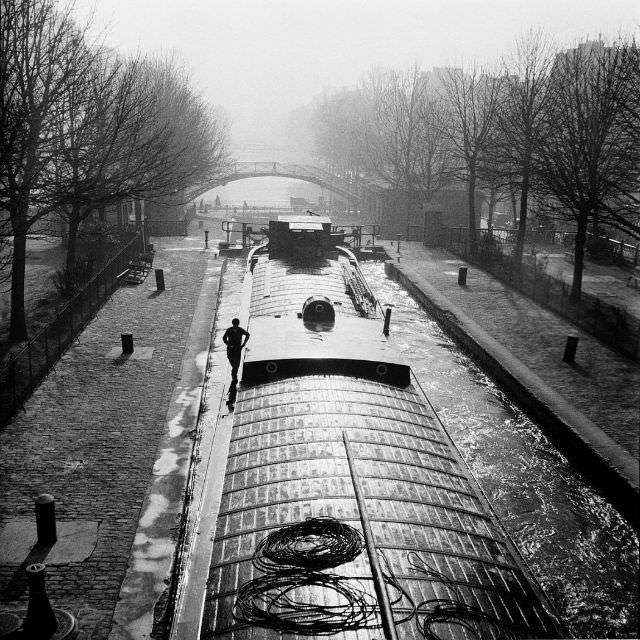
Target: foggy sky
{"points": [[275, 55]]}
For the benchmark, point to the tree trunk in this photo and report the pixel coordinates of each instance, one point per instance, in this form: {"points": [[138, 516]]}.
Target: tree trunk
{"points": [[408, 219], [514, 209], [472, 211], [578, 261], [492, 206], [72, 241], [522, 224], [18, 323]]}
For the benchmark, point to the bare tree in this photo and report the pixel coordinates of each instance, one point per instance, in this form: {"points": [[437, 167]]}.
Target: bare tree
{"points": [[472, 98], [520, 120], [392, 141], [588, 156], [433, 153], [189, 139], [41, 53], [338, 123], [123, 137]]}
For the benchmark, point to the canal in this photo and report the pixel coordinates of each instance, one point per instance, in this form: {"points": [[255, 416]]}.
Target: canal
{"points": [[580, 549]]}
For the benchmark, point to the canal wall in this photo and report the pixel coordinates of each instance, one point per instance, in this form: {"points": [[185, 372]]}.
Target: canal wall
{"points": [[607, 464]]}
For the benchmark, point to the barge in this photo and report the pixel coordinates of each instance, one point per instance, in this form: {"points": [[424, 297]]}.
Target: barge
{"points": [[346, 508]]}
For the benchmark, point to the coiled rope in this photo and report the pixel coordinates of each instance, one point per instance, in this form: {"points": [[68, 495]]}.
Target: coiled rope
{"points": [[453, 611], [291, 602], [295, 596], [315, 544]]}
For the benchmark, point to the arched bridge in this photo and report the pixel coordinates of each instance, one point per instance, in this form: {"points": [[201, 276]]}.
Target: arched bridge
{"points": [[350, 190]]}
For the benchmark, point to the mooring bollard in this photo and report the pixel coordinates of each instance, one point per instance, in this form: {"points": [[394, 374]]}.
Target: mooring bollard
{"points": [[40, 621], [206, 238], [462, 276], [46, 519], [127, 343], [387, 321], [570, 349], [160, 279]]}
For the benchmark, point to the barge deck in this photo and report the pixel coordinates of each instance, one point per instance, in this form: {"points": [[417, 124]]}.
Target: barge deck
{"points": [[314, 422]]}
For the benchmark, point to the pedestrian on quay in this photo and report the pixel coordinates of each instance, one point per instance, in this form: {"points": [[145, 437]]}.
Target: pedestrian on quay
{"points": [[235, 337]]}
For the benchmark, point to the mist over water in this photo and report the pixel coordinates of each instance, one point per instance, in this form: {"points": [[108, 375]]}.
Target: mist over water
{"points": [[265, 192]]}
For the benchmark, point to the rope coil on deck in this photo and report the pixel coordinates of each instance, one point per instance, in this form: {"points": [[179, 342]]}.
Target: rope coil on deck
{"points": [[453, 611], [316, 543], [295, 596], [288, 601]]}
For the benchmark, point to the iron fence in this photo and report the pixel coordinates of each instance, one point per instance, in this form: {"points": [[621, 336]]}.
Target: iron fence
{"points": [[610, 323], [162, 228], [26, 368]]}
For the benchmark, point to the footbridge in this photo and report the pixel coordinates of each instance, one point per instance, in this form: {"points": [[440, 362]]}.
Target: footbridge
{"points": [[355, 192]]}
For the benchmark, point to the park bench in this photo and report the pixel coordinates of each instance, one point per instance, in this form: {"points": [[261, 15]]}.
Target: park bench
{"points": [[138, 269]]}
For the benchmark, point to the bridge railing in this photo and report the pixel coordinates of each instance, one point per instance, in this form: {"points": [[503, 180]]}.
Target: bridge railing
{"points": [[355, 236], [302, 170]]}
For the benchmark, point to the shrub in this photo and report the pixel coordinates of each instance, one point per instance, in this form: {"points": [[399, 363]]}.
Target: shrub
{"points": [[69, 280]]}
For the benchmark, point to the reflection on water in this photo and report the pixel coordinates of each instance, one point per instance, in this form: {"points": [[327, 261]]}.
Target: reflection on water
{"points": [[578, 546]]}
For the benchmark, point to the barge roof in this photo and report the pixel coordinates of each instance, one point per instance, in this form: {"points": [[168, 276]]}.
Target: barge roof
{"points": [[287, 347], [287, 462]]}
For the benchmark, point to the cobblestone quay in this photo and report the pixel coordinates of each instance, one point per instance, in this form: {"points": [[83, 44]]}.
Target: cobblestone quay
{"points": [[110, 436]]}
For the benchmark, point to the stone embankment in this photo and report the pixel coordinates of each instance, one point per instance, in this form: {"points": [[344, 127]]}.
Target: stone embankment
{"points": [[590, 408]]}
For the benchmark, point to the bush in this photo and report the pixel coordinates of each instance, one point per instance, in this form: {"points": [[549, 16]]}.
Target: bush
{"points": [[70, 280], [489, 249]]}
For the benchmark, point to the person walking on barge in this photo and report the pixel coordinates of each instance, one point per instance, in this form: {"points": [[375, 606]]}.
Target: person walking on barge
{"points": [[235, 337]]}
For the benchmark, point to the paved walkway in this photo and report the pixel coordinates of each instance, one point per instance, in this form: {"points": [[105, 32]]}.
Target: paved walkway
{"points": [[110, 437]]}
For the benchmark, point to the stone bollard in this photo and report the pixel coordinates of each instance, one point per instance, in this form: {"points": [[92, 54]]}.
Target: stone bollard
{"points": [[462, 276], [46, 519], [42, 622], [160, 279], [127, 343], [387, 321], [570, 349]]}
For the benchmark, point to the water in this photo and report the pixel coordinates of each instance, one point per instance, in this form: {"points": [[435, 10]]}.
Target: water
{"points": [[582, 552], [265, 192]]}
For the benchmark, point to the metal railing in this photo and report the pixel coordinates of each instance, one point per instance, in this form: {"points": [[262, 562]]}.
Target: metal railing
{"points": [[610, 323], [160, 228], [251, 233], [26, 368], [618, 251]]}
